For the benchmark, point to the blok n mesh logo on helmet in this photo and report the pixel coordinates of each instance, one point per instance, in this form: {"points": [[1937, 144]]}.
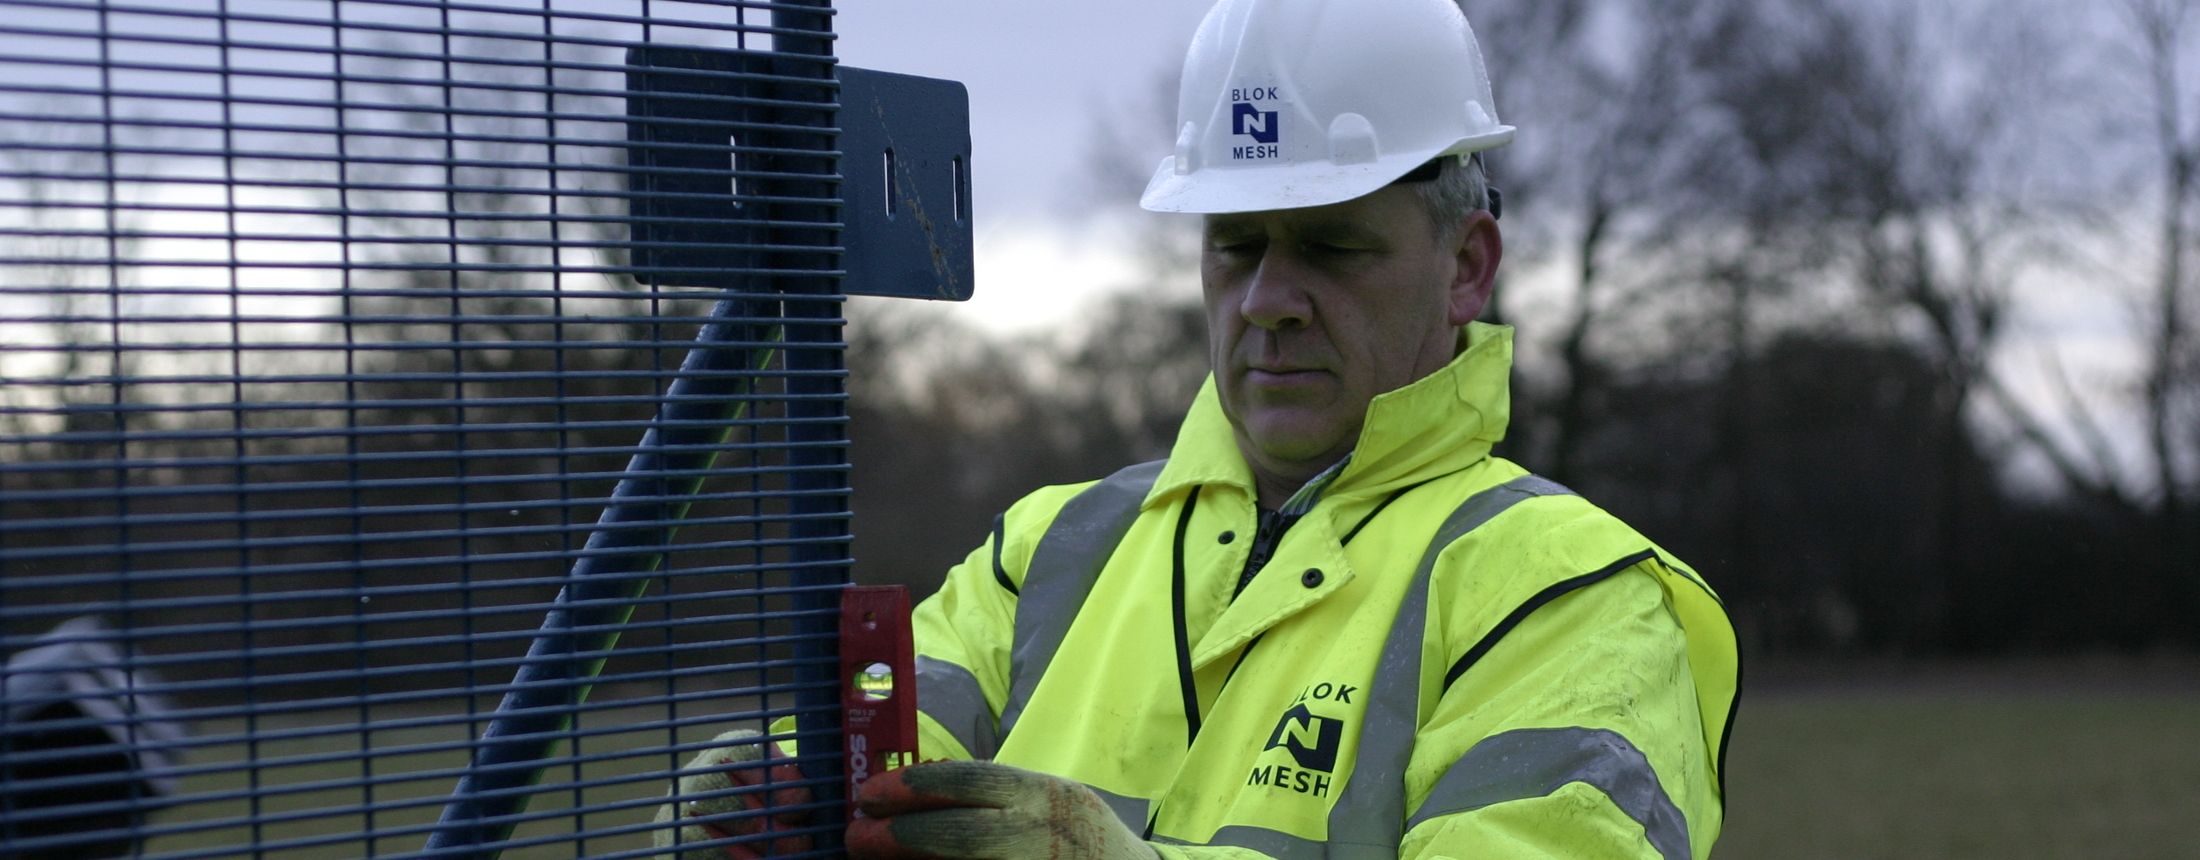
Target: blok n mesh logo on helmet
{"points": [[1248, 120], [1253, 122]]}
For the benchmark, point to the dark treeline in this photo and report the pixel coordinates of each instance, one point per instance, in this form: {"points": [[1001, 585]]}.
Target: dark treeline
{"points": [[1783, 273]]}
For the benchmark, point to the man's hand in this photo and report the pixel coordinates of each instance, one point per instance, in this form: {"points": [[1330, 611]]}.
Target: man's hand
{"points": [[985, 811], [711, 771]]}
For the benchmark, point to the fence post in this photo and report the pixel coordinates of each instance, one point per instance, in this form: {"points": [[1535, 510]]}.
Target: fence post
{"points": [[817, 423]]}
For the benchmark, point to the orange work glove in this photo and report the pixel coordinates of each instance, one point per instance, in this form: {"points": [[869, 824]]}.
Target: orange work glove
{"points": [[709, 819], [972, 809]]}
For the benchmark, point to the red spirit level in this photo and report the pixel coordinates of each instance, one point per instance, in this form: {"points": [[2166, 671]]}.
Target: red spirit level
{"points": [[879, 698]]}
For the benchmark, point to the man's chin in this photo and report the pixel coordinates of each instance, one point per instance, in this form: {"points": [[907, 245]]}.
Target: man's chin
{"points": [[1290, 438]]}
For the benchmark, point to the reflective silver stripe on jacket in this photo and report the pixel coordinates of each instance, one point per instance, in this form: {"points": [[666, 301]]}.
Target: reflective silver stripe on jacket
{"points": [[1371, 809], [1526, 763], [1282, 846], [952, 697], [1066, 563], [1130, 810]]}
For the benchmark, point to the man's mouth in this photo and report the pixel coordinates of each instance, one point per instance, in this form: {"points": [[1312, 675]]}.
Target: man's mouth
{"points": [[1282, 375]]}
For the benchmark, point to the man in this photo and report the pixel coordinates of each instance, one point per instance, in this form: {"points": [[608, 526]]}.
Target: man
{"points": [[1330, 624]]}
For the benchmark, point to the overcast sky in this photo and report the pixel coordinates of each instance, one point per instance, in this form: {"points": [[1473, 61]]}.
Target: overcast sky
{"points": [[1041, 76], [1038, 74]]}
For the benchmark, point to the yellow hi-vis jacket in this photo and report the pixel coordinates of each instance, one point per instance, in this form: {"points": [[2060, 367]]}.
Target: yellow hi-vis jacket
{"points": [[1446, 657]]}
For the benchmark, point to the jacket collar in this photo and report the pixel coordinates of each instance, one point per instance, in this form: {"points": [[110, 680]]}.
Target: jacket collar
{"points": [[1438, 424]]}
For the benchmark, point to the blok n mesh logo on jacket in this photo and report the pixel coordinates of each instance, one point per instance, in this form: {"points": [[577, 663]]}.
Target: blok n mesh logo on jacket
{"points": [[1311, 739]]}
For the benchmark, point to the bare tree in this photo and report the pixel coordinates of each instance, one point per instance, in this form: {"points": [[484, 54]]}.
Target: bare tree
{"points": [[74, 255], [1613, 180], [1870, 157], [506, 162], [2167, 33]]}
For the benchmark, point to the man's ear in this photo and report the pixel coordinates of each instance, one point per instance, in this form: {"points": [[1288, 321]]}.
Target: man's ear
{"points": [[1479, 249]]}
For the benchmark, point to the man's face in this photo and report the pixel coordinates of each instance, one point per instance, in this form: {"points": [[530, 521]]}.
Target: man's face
{"points": [[1313, 312]]}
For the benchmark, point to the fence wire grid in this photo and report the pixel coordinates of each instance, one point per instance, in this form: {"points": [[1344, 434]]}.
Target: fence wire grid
{"points": [[350, 386]]}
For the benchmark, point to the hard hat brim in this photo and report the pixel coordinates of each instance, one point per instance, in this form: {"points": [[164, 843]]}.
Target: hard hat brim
{"points": [[1259, 187]]}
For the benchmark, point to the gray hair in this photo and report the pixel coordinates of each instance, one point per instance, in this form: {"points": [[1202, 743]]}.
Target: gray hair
{"points": [[1458, 189]]}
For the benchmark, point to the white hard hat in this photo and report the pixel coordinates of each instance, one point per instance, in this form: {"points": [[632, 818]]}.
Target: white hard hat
{"points": [[1294, 103]]}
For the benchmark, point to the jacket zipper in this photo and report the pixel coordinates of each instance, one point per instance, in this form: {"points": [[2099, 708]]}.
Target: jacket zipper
{"points": [[1265, 540]]}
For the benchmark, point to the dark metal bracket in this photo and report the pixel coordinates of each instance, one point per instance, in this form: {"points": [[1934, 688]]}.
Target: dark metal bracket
{"points": [[905, 163], [904, 173]]}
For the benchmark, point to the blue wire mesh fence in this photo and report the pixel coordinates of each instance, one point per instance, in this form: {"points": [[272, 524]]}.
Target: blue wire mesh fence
{"points": [[384, 409]]}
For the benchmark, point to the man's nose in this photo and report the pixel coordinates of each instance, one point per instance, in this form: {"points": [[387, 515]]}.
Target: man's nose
{"points": [[1275, 295]]}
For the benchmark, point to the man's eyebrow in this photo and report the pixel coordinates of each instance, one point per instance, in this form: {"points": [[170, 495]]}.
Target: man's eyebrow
{"points": [[1228, 224], [1337, 228], [1327, 228]]}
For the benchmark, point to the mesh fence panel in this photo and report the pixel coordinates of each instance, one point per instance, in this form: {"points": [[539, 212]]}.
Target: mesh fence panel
{"points": [[343, 344]]}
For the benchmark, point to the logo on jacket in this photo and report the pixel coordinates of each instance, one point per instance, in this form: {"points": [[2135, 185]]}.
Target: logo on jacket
{"points": [[1312, 740]]}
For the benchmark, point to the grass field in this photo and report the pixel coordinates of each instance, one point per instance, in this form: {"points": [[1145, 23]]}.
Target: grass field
{"points": [[310, 803], [2031, 760], [2092, 760]]}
